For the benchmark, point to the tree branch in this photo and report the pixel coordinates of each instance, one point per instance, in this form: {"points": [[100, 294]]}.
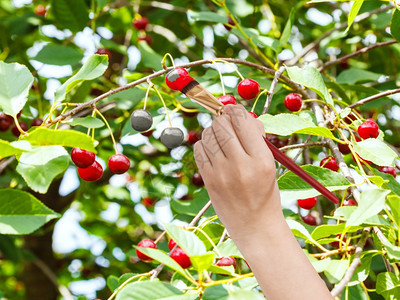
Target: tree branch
{"points": [[272, 89], [374, 97], [303, 145]]}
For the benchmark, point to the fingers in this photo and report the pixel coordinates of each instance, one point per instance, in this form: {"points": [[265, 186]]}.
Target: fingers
{"points": [[246, 128], [202, 160], [211, 145]]}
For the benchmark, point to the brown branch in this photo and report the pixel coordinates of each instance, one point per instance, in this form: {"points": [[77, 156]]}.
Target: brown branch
{"points": [[358, 52], [353, 266], [5, 163], [333, 252], [272, 89], [93, 102], [374, 97], [304, 145]]}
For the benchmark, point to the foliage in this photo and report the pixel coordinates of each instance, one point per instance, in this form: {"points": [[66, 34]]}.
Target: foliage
{"points": [[342, 57]]}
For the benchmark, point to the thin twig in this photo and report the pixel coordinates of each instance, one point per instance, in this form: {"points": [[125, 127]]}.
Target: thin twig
{"points": [[358, 52], [374, 97], [303, 145], [272, 89], [353, 266], [5, 163]]}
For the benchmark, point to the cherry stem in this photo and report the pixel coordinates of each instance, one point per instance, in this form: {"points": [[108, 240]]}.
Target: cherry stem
{"points": [[63, 111], [235, 68], [147, 93], [19, 127], [220, 76], [127, 281], [258, 97], [209, 239], [109, 129], [164, 60], [165, 106]]}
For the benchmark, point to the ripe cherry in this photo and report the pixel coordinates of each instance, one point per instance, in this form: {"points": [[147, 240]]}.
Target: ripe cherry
{"points": [[230, 22], [293, 102], [15, 130], [148, 202], [253, 114], [197, 180], [141, 120], [92, 173], [180, 256], [82, 158], [177, 79], [310, 220], [5, 122], [344, 148], [171, 244], [141, 23], [227, 99], [226, 261], [40, 10], [193, 137], [335, 244], [307, 203], [349, 202], [145, 244], [388, 170], [36, 122], [171, 137], [248, 88], [329, 162], [186, 198], [118, 164], [368, 129], [350, 118], [103, 51], [147, 133], [146, 38]]}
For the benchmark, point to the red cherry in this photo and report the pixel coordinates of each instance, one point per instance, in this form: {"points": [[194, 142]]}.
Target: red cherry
{"points": [[5, 122], [388, 170], [145, 244], [335, 244], [248, 88], [344, 148], [180, 256], [36, 122], [350, 118], [118, 164], [92, 173], [15, 130], [349, 202], [362, 160], [82, 158], [230, 22], [40, 10], [368, 129], [227, 99], [146, 38], [177, 79], [329, 162], [310, 220], [253, 114], [147, 133], [193, 137], [171, 244], [197, 180], [148, 202], [141, 23], [103, 51], [293, 102], [307, 203], [226, 262]]}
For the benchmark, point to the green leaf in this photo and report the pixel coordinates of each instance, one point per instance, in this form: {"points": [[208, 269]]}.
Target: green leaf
{"points": [[311, 78], [388, 285], [112, 282], [228, 248], [323, 231], [376, 151], [150, 58], [88, 122], [221, 270], [355, 8], [223, 292], [195, 16], [191, 208], [287, 124], [202, 262], [41, 165], [70, 14], [59, 55], [391, 183], [22, 213], [293, 187], [163, 258], [394, 203], [287, 30], [353, 75], [15, 82], [9, 149], [335, 270], [392, 251], [187, 240], [395, 25], [67, 138], [94, 67], [371, 203], [148, 290]]}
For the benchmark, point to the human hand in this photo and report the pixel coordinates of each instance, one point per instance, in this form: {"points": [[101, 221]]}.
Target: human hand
{"points": [[238, 170]]}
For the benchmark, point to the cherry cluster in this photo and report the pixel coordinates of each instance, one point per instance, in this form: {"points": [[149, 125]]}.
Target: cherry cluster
{"points": [[7, 122], [141, 23], [89, 169]]}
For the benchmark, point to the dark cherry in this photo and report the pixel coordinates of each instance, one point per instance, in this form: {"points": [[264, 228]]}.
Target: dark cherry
{"points": [[171, 244], [148, 39], [310, 220], [103, 51], [141, 23], [368, 129], [197, 180], [335, 244], [171, 137], [186, 198], [36, 122], [329, 163], [15, 130], [230, 22], [82, 158], [248, 89], [227, 99], [145, 244], [5, 122], [92, 173], [293, 102], [226, 261], [388, 170], [141, 120], [148, 202], [118, 164], [147, 133], [193, 137], [344, 148], [180, 256], [307, 203]]}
